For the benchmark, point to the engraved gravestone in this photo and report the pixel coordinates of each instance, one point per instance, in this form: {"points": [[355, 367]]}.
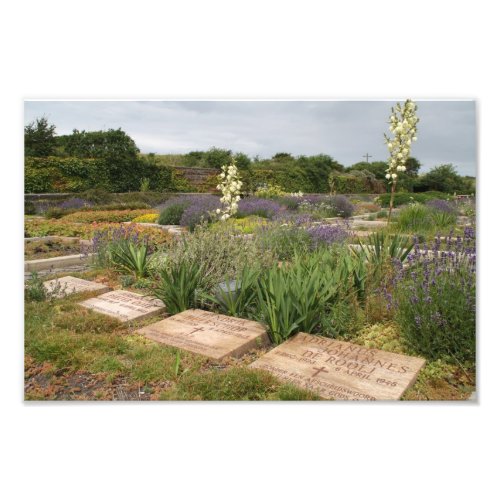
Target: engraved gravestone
{"points": [[209, 334], [124, 305], [341, 370], [68, 285]]}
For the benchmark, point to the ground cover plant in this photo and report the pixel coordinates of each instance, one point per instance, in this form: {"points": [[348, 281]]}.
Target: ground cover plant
{"points": [[51, 248]]}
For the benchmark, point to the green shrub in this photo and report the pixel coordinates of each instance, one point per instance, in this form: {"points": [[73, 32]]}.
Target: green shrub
{"points": [[414, 218], [130, 257], [178, 285], [293, 297], [237, 298], [405, 198], [172, 214]]}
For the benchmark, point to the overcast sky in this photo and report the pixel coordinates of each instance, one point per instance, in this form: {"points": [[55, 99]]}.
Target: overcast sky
{"points": [[346, 130]]}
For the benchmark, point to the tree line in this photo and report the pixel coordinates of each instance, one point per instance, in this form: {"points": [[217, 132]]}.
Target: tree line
{"points": [[111, 160]]}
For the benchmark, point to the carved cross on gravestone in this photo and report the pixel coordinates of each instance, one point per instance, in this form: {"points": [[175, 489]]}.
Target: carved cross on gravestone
{"points": [[319, 370]]}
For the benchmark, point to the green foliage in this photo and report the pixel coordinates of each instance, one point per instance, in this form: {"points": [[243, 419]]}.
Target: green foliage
{"points": [[446, 325], [220, 252], [39, 138], [234, 384], [34, 291], [144, 184], [130, 257], [282, 241], [292, 298], [422, 218], [237, 298], [172, 214], [63, 175], [216, 158], [381, 248], [442, 178], [405, 198], [269, 191], [115, 148], [178, 285]]}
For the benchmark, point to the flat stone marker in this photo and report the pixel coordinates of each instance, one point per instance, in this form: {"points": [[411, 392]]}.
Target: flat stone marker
{"points": [[340, 370], [124, 305], [212, 335], [68, 285]]}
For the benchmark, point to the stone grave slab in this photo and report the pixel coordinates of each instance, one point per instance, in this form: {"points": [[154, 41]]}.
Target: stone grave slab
{"points": [[68, 285], [341, 370], [209, 334], [124, 305]]}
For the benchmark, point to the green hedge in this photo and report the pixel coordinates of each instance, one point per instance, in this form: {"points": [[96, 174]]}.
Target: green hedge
{"points": [[63, 175]]}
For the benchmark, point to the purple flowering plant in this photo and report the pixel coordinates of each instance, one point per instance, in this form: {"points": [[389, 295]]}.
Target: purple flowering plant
{"points": [[433, 297]]}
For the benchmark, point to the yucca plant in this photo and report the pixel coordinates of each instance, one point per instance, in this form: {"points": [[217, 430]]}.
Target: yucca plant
{"points": [[130, 257], [293, 298], [380, 247], [237, 297], [178, 285], [275, 305]]}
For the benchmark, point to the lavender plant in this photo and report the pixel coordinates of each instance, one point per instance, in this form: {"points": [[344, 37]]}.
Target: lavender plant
{"points": [[262, 207], [435, 298]]}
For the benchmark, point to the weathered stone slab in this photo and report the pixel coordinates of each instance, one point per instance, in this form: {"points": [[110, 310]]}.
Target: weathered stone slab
{"points": [[341, 370], [212, 335], [68, 285], [124, 305]]}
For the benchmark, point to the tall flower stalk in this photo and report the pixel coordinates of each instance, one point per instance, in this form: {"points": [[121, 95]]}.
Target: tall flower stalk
{"points": [[230, 187], [403, 126]]}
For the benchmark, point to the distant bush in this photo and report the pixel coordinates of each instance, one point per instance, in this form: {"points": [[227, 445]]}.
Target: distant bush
{"points": [[405, 198], [172, 214], [417, 217], [342, 205]]}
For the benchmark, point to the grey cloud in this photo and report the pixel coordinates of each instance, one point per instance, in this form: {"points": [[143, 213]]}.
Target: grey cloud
{"points": [[344, 129]]}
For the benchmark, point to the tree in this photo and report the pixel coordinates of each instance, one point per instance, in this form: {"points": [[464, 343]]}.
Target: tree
{"points": [[116, 148], [377, 168], [283, 157], [243, 162], [442, 178], [216, 158], [39, 138]]}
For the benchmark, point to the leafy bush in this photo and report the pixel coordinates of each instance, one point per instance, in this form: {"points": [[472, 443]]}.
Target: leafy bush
{"points": [[171, 215], [219, 251], [435, 300], [178, 285], [283, 240]]}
